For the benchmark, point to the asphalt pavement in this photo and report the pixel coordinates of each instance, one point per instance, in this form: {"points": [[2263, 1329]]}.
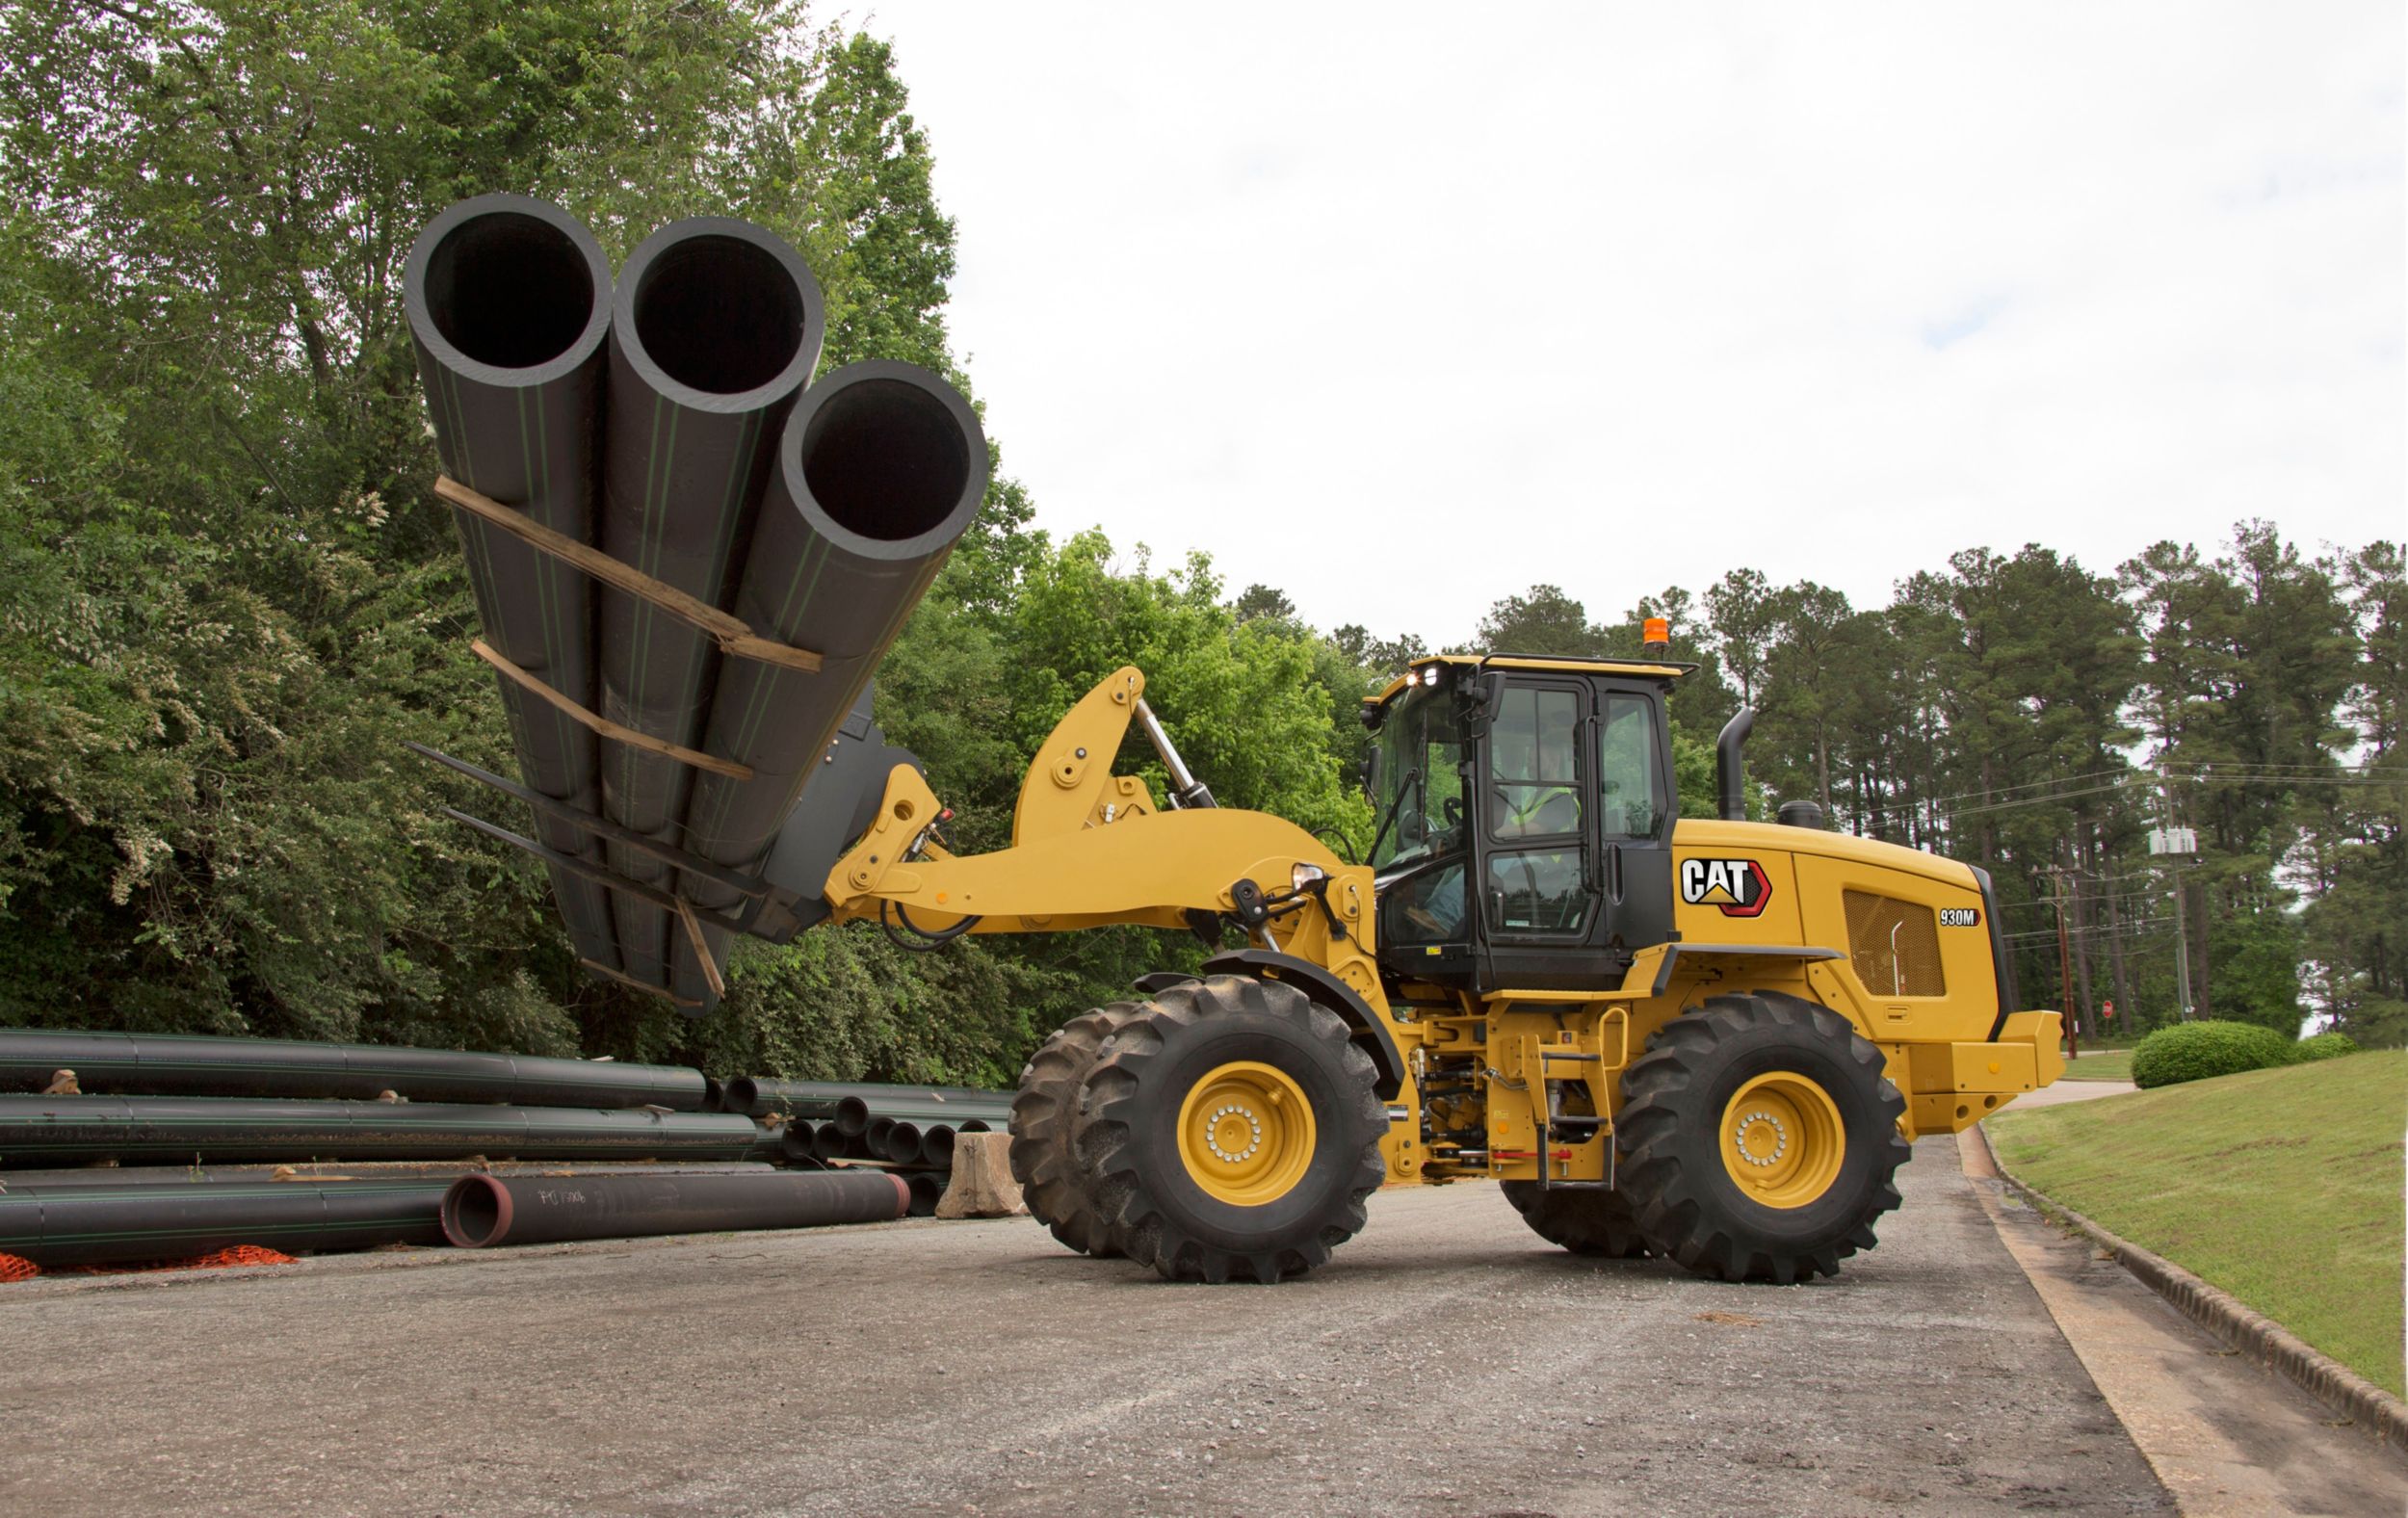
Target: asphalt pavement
{"points": [[1446, 1362]]}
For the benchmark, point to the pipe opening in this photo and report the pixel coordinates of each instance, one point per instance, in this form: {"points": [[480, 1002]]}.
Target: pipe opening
{"points": [[510, 290], [473, 1214], [720, 314], [885, 459]]}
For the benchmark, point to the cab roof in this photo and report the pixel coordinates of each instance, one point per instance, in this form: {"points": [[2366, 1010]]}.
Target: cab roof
{"points": [[1653, 669]]}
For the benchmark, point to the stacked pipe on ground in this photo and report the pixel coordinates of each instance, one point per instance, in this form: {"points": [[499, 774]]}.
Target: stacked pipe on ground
{"points": [[508, 301], [485, 1210], [171, 1064], [200, 1130], [910, 1129], [196, 1201]]}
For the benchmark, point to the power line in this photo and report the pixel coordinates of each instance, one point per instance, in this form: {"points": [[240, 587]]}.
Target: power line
{"points": [[2196, 771], [2370, 777]]}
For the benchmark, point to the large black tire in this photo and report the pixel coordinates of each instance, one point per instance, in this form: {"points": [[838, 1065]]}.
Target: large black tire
{"points": [[1594, 1223], [1050, 1178], [1675, 1099], [1189, 1041]]}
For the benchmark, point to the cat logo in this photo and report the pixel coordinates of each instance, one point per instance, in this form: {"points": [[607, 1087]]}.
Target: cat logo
{"points": [[1738, 886]]}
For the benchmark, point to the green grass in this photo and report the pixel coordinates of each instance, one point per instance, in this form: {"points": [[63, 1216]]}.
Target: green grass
{"points": [[2101, 1064], [2282, 1187]]}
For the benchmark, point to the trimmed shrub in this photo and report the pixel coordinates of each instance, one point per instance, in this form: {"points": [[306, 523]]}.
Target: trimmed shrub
{"points": [[2202, 1051], [2324, 1046]]}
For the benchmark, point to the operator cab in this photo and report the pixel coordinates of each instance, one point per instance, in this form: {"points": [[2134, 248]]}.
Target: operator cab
{"points": [[1525, 815]]}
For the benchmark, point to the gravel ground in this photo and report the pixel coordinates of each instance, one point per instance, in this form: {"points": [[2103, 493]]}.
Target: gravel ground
{"points": [[1449, 1362]]}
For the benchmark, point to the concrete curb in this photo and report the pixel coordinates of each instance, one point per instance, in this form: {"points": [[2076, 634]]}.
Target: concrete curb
{"points": [[2259, 1337]]}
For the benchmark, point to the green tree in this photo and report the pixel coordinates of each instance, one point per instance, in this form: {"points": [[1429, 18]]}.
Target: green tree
{"points": [[1546, 622]]}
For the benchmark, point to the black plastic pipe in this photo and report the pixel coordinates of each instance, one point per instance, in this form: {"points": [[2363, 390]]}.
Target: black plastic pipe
{"points": [[903, 1142], [508, 300], [84, 1224], [855, 1113], [831, 1143], [936, 1145], [50, 1130], [797, 1140], [173, 1065], [926, 1191], [768, 1144], [715, 327], [85, 1177], [481, 1211], [759, 1095], [880, 470]]}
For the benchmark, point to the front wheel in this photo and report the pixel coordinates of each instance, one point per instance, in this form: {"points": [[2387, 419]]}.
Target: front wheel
{"points": [[1760, 1139], [1232, 1131], [1042, 1116]]}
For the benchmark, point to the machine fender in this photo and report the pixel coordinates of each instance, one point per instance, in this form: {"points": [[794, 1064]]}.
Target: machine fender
{"points": [[1327, 989], [1664, 970]]}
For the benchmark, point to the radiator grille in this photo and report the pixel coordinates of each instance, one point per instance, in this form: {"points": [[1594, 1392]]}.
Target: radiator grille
{"points": [[1896, 944]]}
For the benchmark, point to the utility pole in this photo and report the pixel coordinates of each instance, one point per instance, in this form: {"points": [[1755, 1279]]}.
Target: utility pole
{"points": [[2172, 843], [2065, 970], [2181, 949]]}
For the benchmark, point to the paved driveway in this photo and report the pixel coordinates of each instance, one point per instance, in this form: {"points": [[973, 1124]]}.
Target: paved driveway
{"points": [[1447, 1363]]}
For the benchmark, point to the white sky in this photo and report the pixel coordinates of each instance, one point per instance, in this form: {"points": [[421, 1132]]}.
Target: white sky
{"points": [[1402, 315]]}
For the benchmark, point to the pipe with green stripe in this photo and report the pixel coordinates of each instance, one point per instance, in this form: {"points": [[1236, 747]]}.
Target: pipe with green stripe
{"points": [[716, 325], [69, 1224], [43, 1131], [192, 1064], [880, 471], [508, 303]]}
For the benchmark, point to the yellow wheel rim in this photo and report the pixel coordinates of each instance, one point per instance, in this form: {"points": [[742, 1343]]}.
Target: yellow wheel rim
{"points": [[1247, 1134], [1782, 1141]]}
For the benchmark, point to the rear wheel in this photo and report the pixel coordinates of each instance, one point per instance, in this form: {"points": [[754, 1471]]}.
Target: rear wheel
{"points": [[1595, 1223], [1232, 1131], [1050, 1182], [1760, 1139]]}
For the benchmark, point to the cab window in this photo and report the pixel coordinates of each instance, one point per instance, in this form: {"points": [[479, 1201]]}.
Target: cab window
{"points": [[1536, 882], [1535, 789], [1630, 792]]}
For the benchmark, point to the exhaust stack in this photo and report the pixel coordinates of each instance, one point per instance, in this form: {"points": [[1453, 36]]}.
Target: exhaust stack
{"points": [[1731, 764]]}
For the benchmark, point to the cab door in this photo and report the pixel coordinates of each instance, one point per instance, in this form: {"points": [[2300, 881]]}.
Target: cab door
{"points": [[1636, 805], [1537, 863], [1574, 830]]}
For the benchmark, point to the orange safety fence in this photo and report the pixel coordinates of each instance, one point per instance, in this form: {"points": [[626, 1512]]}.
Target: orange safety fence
{"points": [[17, 1268]]}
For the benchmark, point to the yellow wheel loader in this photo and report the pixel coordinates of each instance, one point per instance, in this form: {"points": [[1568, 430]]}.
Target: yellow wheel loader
{"points": [[1709, 1041]]}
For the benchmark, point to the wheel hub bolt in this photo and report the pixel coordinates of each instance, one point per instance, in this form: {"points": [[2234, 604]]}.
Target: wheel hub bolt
{"points": [[1780, 1138], [1211, 1132]]}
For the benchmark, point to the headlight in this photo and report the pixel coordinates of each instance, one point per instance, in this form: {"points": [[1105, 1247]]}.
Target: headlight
{"points": [[1305, 874]]}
